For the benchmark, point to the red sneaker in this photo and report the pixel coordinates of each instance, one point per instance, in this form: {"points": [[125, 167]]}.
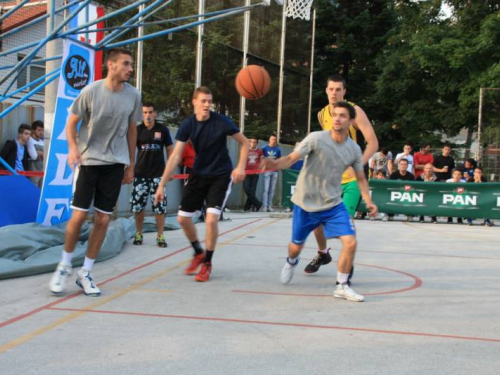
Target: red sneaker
{"points": [[195, 262], [204, 274]]}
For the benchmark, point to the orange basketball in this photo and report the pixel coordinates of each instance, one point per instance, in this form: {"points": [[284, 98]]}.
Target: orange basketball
{"points": [[253, 82]]}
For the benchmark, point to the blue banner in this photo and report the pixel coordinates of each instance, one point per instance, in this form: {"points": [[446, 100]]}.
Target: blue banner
{"points": [[77, 71]]}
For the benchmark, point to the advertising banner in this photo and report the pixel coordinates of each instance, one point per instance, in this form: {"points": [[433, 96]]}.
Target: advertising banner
{"points": [[77, 71]]}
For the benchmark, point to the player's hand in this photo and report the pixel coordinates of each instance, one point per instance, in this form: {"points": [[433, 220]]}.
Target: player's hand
{"points": [[160, 194], [372, 209], [268, 163], [128, 176], [238, 175], [74, 158]]}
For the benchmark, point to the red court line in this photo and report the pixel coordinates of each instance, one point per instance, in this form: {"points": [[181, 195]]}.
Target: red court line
{"points": [[301, 325], [71, 296], [417, 284]]}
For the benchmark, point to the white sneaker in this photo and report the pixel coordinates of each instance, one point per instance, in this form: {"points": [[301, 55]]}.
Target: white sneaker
{"points": [[57, 283], [270, 209], [344, 291], [288, 270], [86, 282], [385, 217]]}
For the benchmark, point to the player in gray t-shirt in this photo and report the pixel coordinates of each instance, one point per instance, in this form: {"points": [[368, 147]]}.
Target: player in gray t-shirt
{"points": [[103, 153], [318, 194]]}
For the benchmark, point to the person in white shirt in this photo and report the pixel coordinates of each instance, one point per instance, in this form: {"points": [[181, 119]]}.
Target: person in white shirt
{"points": [[406, 154], [35, 150]]}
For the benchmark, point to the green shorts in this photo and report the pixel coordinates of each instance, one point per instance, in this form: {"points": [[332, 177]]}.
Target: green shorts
{"points": [[351, 196]]}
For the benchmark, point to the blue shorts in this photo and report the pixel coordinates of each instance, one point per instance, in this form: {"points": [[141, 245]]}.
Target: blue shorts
{"points": [[336, 223]]}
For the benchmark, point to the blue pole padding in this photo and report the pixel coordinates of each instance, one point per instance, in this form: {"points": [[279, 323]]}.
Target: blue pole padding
{"points": [[179, 28], [8, 167], [38, 80], [34, 61], [27, 96], [4, 16], [22, 64], [117, 33]]}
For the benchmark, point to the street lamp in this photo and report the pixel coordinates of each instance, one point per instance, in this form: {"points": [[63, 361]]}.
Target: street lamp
{"points": [[480, 119]]}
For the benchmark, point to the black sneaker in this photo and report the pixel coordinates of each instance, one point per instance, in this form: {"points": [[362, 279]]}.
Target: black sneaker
{"points": [[319, 260], [450, 220]]}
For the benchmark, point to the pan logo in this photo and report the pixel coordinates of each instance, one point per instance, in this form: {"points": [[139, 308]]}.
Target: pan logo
{"points": [[460, 198], [407, 195], [77, 72]]}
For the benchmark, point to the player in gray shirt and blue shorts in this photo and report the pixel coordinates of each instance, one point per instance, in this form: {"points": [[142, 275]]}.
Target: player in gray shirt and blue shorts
{"points": [[318, 194], [102, 152]]}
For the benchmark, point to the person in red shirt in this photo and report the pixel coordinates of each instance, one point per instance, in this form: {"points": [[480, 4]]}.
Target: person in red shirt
{"points": [[420, 159], [254, 157]]}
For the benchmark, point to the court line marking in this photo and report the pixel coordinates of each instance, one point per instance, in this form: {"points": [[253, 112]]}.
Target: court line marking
{"points": [[71, 296], [300, 325], [458, 233], [374, 251], [66, 319]]}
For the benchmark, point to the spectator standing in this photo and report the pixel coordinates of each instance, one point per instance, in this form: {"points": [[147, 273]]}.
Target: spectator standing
{"points": [[427, 176], [401, 174], [382, 161], [271, 151], [35, 150], [254, 158], [406, 154], [456, 178], [444, 164], [422, 158], [15, 151], [479, 179], [152, 139]]}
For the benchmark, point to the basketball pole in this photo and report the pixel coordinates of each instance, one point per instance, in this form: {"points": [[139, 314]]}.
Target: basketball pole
{"points": [[311, 73], [282, 68], [199, 45], [246, 36], [140, 53]]}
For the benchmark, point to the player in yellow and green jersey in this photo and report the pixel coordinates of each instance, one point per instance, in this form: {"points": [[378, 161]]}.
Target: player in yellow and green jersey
{"points": [[363, 134]]}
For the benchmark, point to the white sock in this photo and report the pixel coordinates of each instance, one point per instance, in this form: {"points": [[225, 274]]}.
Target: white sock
{"points": [[342, 277], [324, 251], [293, 261], [66, 258], [88, 264]]}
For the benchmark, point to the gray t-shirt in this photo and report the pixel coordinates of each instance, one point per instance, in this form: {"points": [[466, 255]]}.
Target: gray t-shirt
{"points": [[106, 115], [319, 186]]}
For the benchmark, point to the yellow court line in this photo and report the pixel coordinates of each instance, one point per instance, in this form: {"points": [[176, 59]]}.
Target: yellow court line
{"points": [[68, 318]]}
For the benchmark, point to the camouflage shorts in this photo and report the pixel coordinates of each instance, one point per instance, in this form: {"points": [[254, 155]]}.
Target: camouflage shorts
{"points": [[144, 188]]}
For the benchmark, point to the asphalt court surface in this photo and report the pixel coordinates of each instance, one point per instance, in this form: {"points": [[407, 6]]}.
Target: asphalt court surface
{"points": [[432, 305]]}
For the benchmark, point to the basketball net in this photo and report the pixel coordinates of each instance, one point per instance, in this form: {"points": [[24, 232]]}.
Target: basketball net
{"points": [[299, 9]]}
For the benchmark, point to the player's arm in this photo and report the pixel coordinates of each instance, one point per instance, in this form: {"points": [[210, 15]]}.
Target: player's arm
{"points": [[238, 173], [170, 149], [365, 192], [365, 126], [74, 156], [173, 161], [281, 163], [132, 144]]}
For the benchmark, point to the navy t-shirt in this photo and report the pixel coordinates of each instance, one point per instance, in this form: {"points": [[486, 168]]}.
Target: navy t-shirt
{"points": [[210, 143], [150, 143]]}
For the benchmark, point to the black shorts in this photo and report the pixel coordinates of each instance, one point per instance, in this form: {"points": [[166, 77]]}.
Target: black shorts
{"points": [[198, 189], [102, 183]]}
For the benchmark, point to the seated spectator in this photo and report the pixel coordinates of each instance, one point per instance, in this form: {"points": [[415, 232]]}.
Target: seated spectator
{"points": [[15, 152], [468, 169], [421, 158], [382, 161], [35, 150], [478, 179], [456, 178], [401, 174], [427, 176]]}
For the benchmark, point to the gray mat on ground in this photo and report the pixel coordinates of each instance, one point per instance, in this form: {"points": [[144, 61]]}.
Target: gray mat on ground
{"points": [[30, 249]]}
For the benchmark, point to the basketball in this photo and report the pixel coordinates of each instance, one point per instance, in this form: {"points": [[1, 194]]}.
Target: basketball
{"points": [[253, 82]]}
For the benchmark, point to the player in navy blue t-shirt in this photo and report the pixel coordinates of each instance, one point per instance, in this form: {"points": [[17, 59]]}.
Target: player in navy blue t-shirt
{"points": [[211, 177]]}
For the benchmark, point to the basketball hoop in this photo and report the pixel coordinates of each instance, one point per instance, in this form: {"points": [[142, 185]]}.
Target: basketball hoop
{"points": [[299, 9]]}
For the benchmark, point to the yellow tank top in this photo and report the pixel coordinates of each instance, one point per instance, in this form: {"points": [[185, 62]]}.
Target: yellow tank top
{"points": [[326, 122]]}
